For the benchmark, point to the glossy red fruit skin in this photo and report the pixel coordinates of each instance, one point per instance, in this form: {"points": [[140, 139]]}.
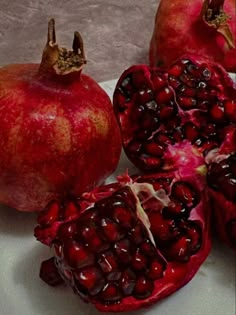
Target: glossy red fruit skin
{"points": [[176, 275], [182, 28], [58, 135]]}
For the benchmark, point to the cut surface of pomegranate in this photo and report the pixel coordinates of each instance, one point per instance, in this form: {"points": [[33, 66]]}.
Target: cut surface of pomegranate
{"points": [[56, 128], [128, 244]]}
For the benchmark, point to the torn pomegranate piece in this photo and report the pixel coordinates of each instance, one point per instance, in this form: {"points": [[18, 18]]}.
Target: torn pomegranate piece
{"points": [[130, 243], [221, 179]]}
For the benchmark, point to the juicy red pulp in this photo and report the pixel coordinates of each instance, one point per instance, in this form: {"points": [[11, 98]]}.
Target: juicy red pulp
{"points": [[103, 249], [158, 109]]}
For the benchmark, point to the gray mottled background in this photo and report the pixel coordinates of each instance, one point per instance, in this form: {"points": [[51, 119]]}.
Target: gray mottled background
{"points": [[116, 32]]}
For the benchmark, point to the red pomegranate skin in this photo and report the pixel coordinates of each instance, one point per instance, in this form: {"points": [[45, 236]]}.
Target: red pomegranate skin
{"points": [[180, 29], [58, 135]]}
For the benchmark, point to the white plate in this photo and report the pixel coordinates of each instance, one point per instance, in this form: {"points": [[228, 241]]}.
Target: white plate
{"points": [[212, 291]]}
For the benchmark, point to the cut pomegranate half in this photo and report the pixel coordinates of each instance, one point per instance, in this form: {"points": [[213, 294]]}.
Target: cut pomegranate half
{"points": [[128, 244], [160, 111]]}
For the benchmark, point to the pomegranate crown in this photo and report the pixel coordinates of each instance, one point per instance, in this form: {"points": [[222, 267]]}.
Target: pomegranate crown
{"points": [[61, 60]]}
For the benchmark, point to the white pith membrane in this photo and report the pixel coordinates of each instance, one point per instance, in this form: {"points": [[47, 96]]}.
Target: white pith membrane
{"points": [[161, 197]]}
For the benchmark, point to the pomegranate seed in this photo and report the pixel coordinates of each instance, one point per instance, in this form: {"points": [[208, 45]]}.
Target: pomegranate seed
{"points": [[126, 86], [143, 288], [156, 270], [194, 70], [194, 234], [137, 234], [174, 82], [151, 107], [88, 215], [162, 229], [144, 96], [153, 149], [134, 147], [49, 272], [111, 230], [139, 261], [179, 250], [166, 111], [92, 239], [217, 113], [164, 96], [185, 193], [70, 210], [191, 131], [177, 135], [123, 251], [188, 80], [158, 82], [149, 122], [175, 209], [176, 70], [77, 255], [186, 102], [108, 264], [151, 162], [68, 230], [91, 279], [124, 217], [230, 110], [127, 282], [120, 99], [50, 215], [148, 248], [140, 81], [111, 293], [163, 138]]}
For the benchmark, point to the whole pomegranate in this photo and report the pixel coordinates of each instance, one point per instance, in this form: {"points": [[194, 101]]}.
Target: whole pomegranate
{"points": [[56, 128], [128, 244], [182, 119], [204, 27]]}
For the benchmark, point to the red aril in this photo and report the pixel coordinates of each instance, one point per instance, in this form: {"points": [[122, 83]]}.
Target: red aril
{"points": [[130, 243], [56, 128], [203, 27]]}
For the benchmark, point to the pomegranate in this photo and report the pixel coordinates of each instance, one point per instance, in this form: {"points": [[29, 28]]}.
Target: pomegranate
{"points": [[183, 118], [221, 178], [181, 111], [204, 27], [127, 244], [56, 128]]}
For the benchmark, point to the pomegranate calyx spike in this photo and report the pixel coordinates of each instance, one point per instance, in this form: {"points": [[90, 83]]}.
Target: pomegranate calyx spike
{"points": [[51, 32], [78, 46], [59, 60]]}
